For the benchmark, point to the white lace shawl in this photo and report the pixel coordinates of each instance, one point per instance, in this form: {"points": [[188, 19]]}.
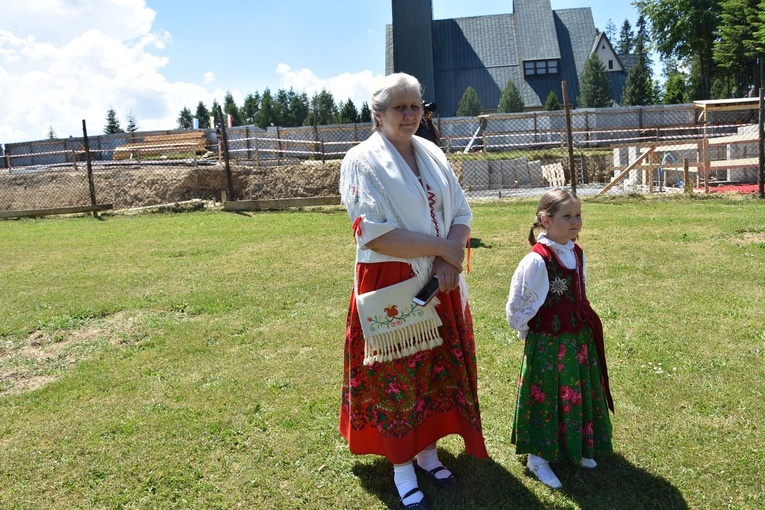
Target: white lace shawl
{"points": [[377, 186], [530, 284]]}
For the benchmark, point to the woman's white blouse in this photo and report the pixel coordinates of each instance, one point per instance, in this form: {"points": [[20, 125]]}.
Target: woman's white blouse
{"points": [[370, 208], [530, 284]]}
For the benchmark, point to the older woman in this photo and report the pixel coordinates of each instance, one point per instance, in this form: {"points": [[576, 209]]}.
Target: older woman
{"points": [[411, 220]]}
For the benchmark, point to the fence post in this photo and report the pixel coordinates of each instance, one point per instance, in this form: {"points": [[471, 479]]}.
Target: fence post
{"points": [[229, 181], [91, 186], [280, 154], [316, 146], [761, 138], [247, 139], [567, 108], [257, 153]]}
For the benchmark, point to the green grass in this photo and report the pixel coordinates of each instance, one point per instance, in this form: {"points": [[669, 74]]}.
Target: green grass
{"points": [[194, 361]]}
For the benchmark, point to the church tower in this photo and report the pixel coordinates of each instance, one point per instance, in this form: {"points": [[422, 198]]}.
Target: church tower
{"points": [[413, 42]]}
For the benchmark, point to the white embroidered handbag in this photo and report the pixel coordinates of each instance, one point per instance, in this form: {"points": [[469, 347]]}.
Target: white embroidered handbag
{"points": [[395, 327]]}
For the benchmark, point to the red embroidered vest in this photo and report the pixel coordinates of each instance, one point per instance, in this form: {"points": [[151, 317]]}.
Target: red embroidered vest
{"points": [[566, 308]]}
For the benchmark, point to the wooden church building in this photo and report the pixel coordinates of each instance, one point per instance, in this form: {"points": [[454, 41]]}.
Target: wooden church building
{"points": [[534, 46]]}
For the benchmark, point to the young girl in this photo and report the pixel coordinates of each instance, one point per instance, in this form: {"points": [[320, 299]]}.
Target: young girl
{"points": [[563, 395]]}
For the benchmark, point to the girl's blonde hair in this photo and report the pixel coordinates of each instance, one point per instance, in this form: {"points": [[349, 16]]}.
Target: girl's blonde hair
{"points": [[548, 205], [389, 86]]}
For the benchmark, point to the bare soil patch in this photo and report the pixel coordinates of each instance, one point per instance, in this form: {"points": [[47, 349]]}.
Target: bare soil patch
{"points": [[130, 185], [48, 352]]}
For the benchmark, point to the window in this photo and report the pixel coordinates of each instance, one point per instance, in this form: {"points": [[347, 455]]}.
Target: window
{"points": [[540, 67], [610, 65]]}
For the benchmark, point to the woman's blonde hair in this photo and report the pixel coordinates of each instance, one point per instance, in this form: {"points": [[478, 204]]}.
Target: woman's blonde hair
{"points": [[548, 205], [389, 86]]}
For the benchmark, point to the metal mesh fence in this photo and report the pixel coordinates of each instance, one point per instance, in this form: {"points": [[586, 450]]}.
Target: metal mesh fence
{"points": [[658, 149]]}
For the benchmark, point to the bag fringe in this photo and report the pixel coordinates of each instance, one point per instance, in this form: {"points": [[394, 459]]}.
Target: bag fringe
{"points": [[403, 342]]}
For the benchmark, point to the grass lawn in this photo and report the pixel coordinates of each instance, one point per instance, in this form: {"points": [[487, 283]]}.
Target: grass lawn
{"points": [[193, 361]]}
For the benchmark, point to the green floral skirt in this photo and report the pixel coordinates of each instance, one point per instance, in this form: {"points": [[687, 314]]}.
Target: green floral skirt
{"points": [[561, 411]]}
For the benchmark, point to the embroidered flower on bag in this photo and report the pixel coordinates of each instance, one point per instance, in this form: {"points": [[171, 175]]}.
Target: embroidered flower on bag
{"points": [[558, 286], [393, 318]]}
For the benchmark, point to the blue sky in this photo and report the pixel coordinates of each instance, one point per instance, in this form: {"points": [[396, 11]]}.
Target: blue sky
{"points": [[62, 61]]}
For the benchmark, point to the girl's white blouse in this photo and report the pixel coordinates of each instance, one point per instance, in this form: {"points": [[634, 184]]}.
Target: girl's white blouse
{"points": [[530, 283]]}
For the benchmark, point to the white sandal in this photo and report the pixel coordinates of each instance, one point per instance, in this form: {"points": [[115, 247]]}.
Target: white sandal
{"points": [[541, 469], [588, 463]]}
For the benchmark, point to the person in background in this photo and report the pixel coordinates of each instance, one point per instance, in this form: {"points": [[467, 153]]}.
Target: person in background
{"points": [[427, 128], [563, 399], [410, 220]]}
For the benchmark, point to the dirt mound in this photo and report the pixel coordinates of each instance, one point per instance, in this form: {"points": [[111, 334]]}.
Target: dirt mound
{"points": [[131, 185]]}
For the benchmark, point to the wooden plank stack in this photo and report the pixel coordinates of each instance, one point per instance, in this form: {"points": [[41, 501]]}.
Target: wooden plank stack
{"points": [[175, 145]]}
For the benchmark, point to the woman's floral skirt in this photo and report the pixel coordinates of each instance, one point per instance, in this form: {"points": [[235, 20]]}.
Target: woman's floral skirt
{"points": [[398, 408]]}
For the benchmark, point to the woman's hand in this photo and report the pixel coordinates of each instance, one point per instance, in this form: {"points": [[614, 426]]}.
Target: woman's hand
{"points": [[448, 264], [448, 275], [452, 253]]}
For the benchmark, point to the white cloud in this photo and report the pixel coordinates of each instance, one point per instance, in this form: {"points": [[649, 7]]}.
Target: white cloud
{"points": [[356, 86], [64, 61]]}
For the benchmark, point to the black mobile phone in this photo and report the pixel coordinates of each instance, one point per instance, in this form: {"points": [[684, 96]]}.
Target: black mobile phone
{"points": [[427, 292]]}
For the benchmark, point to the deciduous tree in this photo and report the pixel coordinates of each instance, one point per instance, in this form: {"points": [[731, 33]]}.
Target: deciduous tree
{"points": [[685, 30]]}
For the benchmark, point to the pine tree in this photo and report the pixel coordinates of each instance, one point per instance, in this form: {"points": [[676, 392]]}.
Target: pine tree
{"points": [[469, 105], [131, 127], [610, 30], [366, 114], [250, 108], [282, 111], [511, 100], [639, 89], [299, 107], [266, 115], [626, 40], [185, 120], [230, 108], [594, 85], [323, 109], [112, 123], [674, 88], [642, 35], [348, 113], [203, 114], [552, 103]]}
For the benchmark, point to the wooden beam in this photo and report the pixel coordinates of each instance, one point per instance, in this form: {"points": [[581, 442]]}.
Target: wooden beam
{"points": [[627, 170], [56, 210], [279, 203]]}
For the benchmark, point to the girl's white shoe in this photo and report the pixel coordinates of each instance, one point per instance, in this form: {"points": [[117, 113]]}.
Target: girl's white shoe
{"points": [[588, 463], [541, 469]]}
